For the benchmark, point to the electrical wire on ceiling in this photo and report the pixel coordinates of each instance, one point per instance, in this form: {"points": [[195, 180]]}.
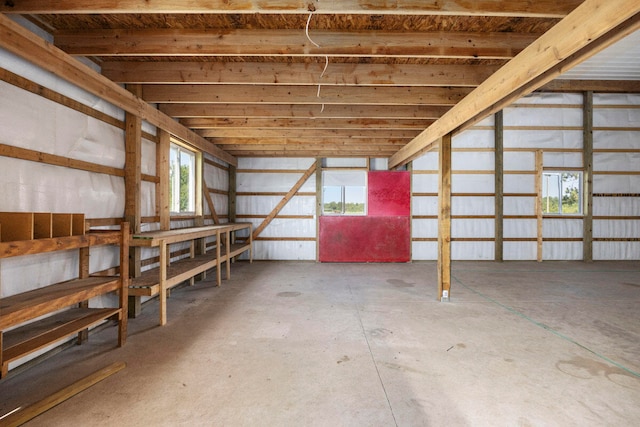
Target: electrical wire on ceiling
{"points": [[326, 58]]}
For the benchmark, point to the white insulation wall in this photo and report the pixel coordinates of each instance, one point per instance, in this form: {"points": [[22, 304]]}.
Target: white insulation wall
{"points": [[285, 238]]}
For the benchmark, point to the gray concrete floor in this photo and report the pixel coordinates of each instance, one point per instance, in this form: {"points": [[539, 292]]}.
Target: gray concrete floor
{"points": [[306, 344]]}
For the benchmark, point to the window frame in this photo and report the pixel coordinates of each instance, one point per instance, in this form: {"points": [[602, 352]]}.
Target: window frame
{"points": [[344, 190], [195, 180], [545, 196]]}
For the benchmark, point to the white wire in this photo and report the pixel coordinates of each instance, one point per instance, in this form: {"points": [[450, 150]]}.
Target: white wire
{"points": [[306, 30], [326, 58]]}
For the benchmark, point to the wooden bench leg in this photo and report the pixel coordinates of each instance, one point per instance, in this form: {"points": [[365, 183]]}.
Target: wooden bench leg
{"points": [[135, 306]]}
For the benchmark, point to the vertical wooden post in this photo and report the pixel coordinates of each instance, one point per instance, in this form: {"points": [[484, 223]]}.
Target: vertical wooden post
{"points": [[164, 263], [232, 194], [539, 170], [499, 186], [318, 204], [124, 276], [162, 171], [132, 183], [444, 218], [410, 170], [83, 273], [587, 178]]}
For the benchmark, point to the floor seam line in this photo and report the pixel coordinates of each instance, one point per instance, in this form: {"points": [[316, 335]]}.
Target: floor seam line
{"points": [[548, 328], [364, 333]]}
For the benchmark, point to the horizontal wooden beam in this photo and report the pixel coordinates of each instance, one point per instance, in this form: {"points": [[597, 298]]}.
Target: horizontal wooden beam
{"points": [[305, 123], [247, 94], [336, 74], [546, 58], [602, 86], [539, 8], [32, 48], [242, 133], [268, 111], [248, 43]]}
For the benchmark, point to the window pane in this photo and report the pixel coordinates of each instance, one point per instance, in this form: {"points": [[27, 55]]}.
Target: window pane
{"points": [[550, 192], [562, 193], [332, 199], [174, 182], [571, 197], [354, 200], [182, 179]]}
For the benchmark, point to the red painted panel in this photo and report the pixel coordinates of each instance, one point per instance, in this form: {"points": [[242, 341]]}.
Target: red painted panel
{"points": [[364, 239], [389, 193]]}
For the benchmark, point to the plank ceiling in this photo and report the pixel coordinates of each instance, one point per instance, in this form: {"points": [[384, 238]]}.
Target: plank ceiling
{"points": [[300, 78]]}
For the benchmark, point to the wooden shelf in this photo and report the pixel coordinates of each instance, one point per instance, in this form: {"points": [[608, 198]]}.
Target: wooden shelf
{"points": [[35, 319]]}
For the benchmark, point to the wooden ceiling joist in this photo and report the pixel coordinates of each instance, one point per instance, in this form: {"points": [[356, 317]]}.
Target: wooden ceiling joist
{"points": [[539, 8], [277, 132], [607, 86], [25, 44], [336, 74], [285, 42], [269, 94], [266, 111], [305, 123], [578, 32]]}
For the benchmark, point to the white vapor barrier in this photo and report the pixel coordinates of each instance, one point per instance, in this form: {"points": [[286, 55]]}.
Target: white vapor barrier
{"points": [[543, 117], [379, 164], [477, 227], [550, 98], [428, 161], [274, 163], [424, 228], [220, 204], [284, 227], [148, 198], [284, 250], [518, 205], [263, 205], [472, 183], [616, 228], [542, 139], [473, 206], [472, 251], [148, 165], [216, 178], [616, 251], [32, 122], [562, 160], [421, 251], [616, 206], [474, 138], [558, 251], [348, 162], [425, 183], [43, 269], [619, 117], [616, 99], [519, 228], [519, 161], [272, 182], [424, 205], [616, 161], [34, 187], [615, 184], [519, 251], [615, 139], [25, 69], [468, 160], [519, 183], [562, 227]]}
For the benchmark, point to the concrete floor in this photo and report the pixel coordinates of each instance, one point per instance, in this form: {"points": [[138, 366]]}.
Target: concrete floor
{"points": [[306, 344]]}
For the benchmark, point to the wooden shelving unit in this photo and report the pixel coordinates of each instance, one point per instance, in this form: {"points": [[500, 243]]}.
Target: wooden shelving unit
{"points": [[18, 313], [157, 281]]}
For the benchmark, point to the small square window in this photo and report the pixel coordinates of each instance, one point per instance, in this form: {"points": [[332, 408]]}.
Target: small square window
{"points": [[344, 193], [562, 193], [182, 180]]}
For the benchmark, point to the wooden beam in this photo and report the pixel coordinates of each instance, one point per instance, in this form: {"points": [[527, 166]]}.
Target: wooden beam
{"points": [[270, 94], [32, 48], [337, 74], [212, 207], [162, 171], [276, 132], [444, 219], [132, 183], [540, 62], [587, 177], [304, 123], [538, 208], [270, 111], [539, 8], [319, 196], [499, 185], [232, 197], [285, 42], [604, 86], [284, 201]]}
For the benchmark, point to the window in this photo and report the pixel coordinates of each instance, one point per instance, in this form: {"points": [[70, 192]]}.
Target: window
{"points": [[182, 180], [562, 193], [344, 192]]}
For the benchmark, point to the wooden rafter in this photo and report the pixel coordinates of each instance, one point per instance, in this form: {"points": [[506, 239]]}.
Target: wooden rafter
{"points": [[305, 123], [246, 43], [575, 33], [277, 132], [337, 74], [539, 8], [25, 44]]}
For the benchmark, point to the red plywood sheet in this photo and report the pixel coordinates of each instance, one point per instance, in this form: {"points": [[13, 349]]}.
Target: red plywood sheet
{"points": [[364, 239], [389, 193]]}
